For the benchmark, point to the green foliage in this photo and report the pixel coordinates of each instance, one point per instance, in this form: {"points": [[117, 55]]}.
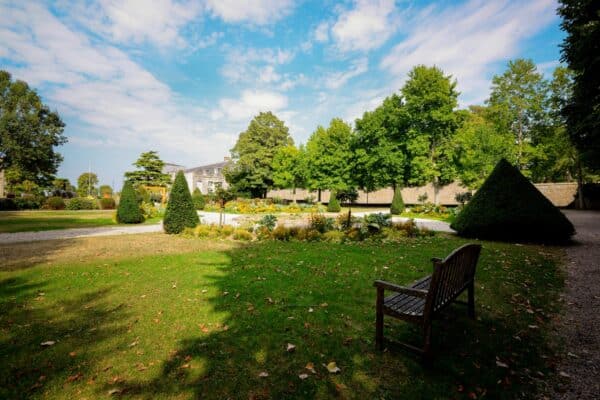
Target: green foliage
{"points": [[142, 194], [180, 213], [581, 22], [29, 132], [149, 172], [242, 234], [198, 199], [320, 223], [289, 167], [105, 191], [149, 210], [334, 204], [55, 203], [329, 153], [253, 153], [397, 206], [107, 203], [7, 205], [347, 196], [82, 203], [509, 207], [129, 211], [86, 184], [268, 221], [380, 219]]}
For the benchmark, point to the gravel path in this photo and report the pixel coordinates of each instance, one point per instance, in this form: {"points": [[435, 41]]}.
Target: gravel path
{"points": [[78, 232], [580, 325]]}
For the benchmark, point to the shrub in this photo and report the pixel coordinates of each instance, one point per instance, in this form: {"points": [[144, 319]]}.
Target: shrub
{"points": [[198, 199], [463, 197], [334, 236], [242, 234], [107, 203], [268, 221], [82, 203], [409, 227], [509, 207], [334, 204], [180, 208], [129, 211], [380, 219], [320, 223], [397, 206], [143, 195], [281, 233], [7, 205], [149, 210], [55, 203]]}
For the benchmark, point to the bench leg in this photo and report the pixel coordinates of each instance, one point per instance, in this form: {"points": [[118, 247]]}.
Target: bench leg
{"points": [[471, 305], [427, 341], [379, 320]]}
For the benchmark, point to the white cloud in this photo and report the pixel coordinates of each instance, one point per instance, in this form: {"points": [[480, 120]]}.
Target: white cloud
{"points": [[256, 12], [255, 66], [249, 104], [322, 32], [467, 41], [365, 27], [338, 79]]}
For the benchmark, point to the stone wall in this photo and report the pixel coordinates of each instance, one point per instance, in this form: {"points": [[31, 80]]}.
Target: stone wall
{"points": [[560, 194], [2, 184]]}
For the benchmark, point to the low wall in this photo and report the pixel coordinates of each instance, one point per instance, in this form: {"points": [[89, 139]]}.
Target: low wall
{"points": [[560, 194]]}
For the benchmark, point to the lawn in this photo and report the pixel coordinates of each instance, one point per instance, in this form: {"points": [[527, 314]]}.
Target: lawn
{"points": [[156, 316], [26, 221]]}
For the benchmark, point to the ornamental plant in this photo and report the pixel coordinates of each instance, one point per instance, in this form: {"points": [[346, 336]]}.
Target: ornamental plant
{"points": [[180, 213], [129, 211]]}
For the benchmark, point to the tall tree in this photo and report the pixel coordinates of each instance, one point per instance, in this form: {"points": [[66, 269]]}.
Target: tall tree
{"points": [[289, 168], [29, 132], [253, 153], [581, 51], [329, 153], [516, 105], [86, 184], [430, 102], [150, 171], [379, 146]]}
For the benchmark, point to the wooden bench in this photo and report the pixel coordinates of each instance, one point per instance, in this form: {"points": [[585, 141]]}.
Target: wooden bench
{"points": [[422, 301]]}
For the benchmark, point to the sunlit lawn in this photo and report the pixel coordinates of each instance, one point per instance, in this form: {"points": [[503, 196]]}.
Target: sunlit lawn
{"points": [[24, 221], [154, 316]]}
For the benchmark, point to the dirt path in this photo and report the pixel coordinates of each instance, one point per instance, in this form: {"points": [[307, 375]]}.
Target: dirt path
{"points": [[580, 325]]}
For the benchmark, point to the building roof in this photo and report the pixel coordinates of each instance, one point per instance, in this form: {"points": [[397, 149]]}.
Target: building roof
{"points": [[209, 166], [171, 167]]}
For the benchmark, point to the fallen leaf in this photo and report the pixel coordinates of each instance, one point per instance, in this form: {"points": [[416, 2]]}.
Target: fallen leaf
{"points": [[310, 309], [501, 364], [263, 374], [75, 377], [311, 367], [48, 343], [134, 343], [564, 374], [324, 305], [332, 367], [291, 348], [303, 376], [114, 391], [72, 354]]}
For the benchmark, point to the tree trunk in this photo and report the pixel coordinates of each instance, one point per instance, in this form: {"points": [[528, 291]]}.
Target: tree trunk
{"points": [[294, 195], [318, 195], [580, 201], [436, 190]]}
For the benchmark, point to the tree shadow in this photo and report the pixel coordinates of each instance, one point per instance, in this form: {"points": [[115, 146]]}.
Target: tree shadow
{"points": [[46, 345], [24, 255], [270, 296]]}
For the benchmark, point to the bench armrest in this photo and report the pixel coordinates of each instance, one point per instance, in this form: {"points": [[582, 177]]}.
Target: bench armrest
{"points": [[400, 289], [436, 260]]}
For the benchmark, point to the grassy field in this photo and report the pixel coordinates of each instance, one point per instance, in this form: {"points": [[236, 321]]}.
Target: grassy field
{"points": [[26, 221], [156, 316]]}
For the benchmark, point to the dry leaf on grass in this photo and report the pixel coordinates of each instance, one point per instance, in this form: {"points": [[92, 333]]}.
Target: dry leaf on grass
{"points": [[48, 343], [332, 367], [290, 348], [263, 374], [303, 376]]}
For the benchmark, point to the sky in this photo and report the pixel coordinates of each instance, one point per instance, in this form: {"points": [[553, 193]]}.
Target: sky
{"points": [[185, 77]]}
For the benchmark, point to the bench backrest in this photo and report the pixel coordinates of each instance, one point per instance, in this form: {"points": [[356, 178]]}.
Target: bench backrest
{"points": [[451, 276]]}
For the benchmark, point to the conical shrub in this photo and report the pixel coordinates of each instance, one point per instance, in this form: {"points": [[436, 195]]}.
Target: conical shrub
{"points": [[129, 211], [334, 204], [198, 199], [397, 206], [180, 213], [508, 207]]}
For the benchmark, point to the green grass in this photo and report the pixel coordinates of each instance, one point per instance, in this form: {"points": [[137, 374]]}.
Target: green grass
{"points": [[27, 221], [206, 324], [436, 217]]}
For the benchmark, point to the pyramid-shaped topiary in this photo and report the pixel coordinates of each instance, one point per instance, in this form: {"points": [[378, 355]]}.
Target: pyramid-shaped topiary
{"points": [[397, 206], [509, 207], [129, 211], [334, 204], [180, 213], [198, 199]]}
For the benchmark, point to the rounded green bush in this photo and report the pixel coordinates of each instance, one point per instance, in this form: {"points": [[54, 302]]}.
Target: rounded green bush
{"points": [[508, 207], [129, 211], [198, 199], [55, 203], [180, 212], [82, 203], [334, 204], [397, 206], [107, 203]]}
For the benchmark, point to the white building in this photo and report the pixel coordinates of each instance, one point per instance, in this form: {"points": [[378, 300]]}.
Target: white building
{"points": [[207, 178]]}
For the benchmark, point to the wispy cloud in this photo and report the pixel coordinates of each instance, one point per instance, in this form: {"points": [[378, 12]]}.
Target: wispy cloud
{"points": [[338, 79], [257, 12], [249, 104]]}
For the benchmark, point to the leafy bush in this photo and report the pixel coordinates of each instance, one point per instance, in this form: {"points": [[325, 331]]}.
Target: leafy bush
{"points": [[463, 197], [198, 199], [149, 210], [308, 234], [268, 221], [380, 219], [55, 203], [180, 212], [107, 203], [320, 223], [282, 233], [343, 223], [82, 203], [397, 206], [509, 207], [242, 234], [334, 204], [7, 205], [334, 236], [143, 195], [129, 211]]}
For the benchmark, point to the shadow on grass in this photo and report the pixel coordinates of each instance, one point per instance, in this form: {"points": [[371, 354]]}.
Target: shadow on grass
{"points": [[319, 298], [20, 256], [42, 345]]}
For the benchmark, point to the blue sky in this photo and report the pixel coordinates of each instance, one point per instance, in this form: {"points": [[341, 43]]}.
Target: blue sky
{"points": [[185, 77]]}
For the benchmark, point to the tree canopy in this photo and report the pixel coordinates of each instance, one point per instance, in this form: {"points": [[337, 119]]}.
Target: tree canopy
{"points": [[29, 133], [253, 153], [150, 171], [86, 184], [289, 167]]}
